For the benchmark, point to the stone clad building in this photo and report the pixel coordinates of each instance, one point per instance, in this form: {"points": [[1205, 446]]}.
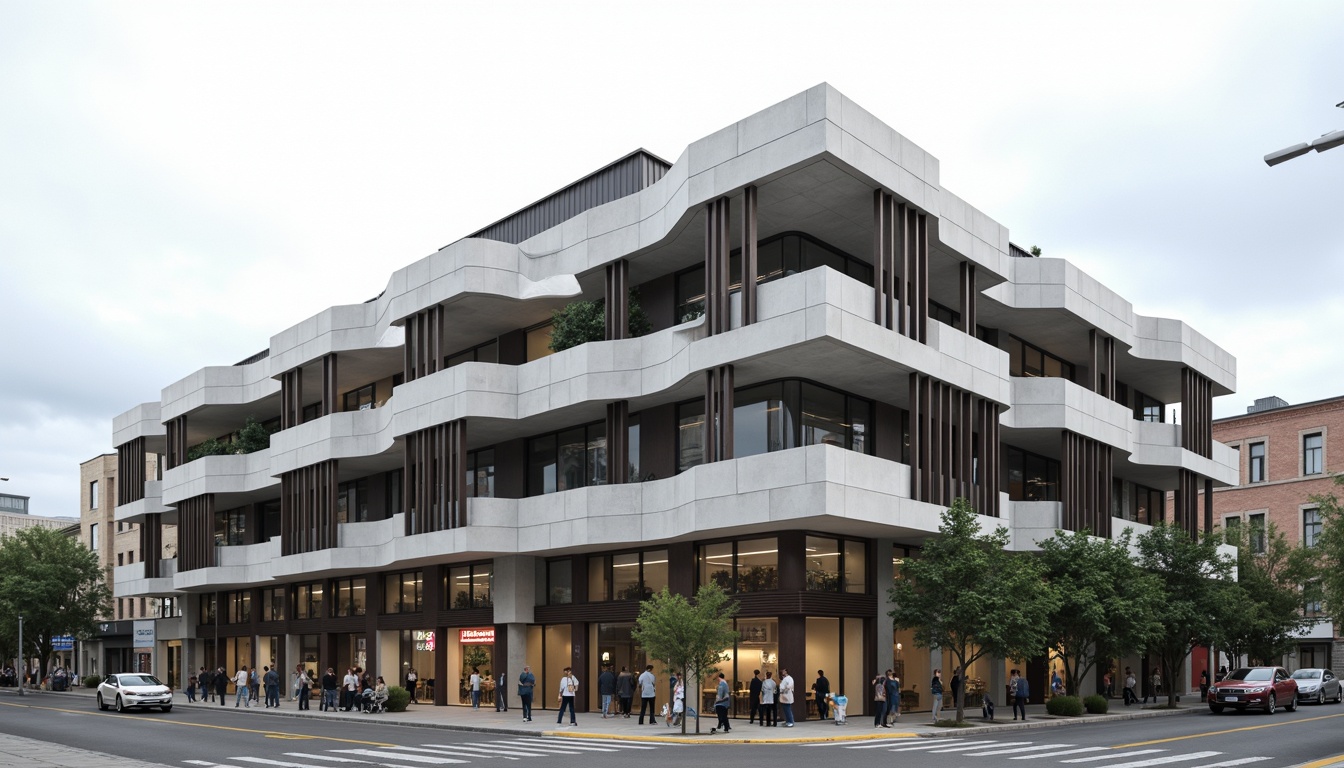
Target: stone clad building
{"points": [[839, 348]]}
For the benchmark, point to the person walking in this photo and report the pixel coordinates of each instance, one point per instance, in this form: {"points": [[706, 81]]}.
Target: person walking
{"points": [[754, 697], [678, 701], [648, 693], [349, 689], [1023, 693], [305, 689], [527, 682], [768, 690], [786, 696], [1157, 686], [1204, 685], [253, 684], [1012, 691], [191, 689], [625, 690], [893, 712], [244, 693], [721, 699], [475, 683], [205, 681], [936, 691], [501, 692], [271, 679], [1106, 684], [1131, 695], [879, 684], [569, 686], [821, 687], [330, 684], [221, 679], [606, 688], [412, 679], [294, 681]]}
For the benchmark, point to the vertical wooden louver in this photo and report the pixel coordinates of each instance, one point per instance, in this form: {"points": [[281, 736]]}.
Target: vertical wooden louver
{"points": [[176, 432], [131, 471], [151, 544], [424, 352], [308, 509], [719, 414], [291, 398], [617, 302], [750, 262], [1085, 487], [618, 430], [434, 474], [717, 300], [954, 446], [196, 533]]}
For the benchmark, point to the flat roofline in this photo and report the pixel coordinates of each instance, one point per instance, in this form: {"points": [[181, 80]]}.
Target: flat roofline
{"points": [[1336, 398]]}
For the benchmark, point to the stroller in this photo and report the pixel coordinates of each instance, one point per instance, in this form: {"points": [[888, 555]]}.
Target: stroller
{"points": [[372, 702], [838, 705]]}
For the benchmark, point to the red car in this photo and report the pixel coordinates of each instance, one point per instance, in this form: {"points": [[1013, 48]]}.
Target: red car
{"points": [[1254, 687]]}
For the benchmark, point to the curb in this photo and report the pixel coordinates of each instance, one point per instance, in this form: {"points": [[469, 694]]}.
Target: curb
{"points": [[686, 740], [1323, 763]]}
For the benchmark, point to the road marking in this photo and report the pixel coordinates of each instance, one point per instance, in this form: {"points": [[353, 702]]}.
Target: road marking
{"points": [[1016, 750], [1165, 760], [935, 745], [877, 744], [1322, 763], [312, 756], [162, 721], [293, 736], [399, 756], [1229, 763], [527, 744], [510, 754], [1077, 751], [965, 747], [1112, 756], [277, 763], [609, 745], [1229, 730], [505, 750]]}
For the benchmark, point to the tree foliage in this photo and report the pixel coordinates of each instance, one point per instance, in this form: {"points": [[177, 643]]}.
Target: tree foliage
{"points": [[1107, 603], [580, 322], [251, 438], [689, 636], [967, 594], [1193, 577], [1262, 610], [55, 583], [1329, 550]]}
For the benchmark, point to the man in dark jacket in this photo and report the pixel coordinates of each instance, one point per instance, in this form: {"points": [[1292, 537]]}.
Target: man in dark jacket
{"points": [[221, 684], [271, 679], [205, 681], [625, 690], [606, 688], [820, 689], [330, 684], [754, 697]]}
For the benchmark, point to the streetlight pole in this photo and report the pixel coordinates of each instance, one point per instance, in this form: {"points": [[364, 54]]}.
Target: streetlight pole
{"points": [[23, 661], [1326, 141]]}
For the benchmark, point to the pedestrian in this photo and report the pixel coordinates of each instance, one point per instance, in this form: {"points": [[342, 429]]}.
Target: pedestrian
{"points": [[271, 679], [893, 712], [1106, 684], [821, 688], [721, 699], [768, 690], [501, 692], [648, 692], [253, 685], [330, 685], [956, 688], [411, 679], [1222, 672], [606, 688], [1203, 685], [205, 682], [786, 696], [349, 689], [936, 691], [221, 679], [526, 683], [1131, 695], [305, 687], [1157, 685], [879, 684], [191, 689], [569, 686], [475, 682], [1056, 683], [625, 690], [754, 697], [678, 701], [244, 693], [1012, 691], [1023, 691]]}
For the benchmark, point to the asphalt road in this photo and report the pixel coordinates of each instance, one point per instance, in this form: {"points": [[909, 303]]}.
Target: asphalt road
{"points": [[211, 737]]}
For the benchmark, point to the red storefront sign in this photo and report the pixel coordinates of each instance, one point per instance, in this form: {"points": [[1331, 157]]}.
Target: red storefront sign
{"points": [[476, 636]]}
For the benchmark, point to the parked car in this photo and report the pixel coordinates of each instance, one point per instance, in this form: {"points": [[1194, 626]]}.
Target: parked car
{"points": [[1254, 687], [1318, 685], [133, 690]]}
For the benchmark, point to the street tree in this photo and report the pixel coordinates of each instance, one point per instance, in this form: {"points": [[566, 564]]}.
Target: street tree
{"points": [[1193, 576], [55, 583], [1107, 603], [1263, 608], [690, 636], [968, 594], [1329, 550]]}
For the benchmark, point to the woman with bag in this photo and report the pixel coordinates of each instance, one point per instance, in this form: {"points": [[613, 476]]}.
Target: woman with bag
{"points": [[569, 686], [879, 683]]}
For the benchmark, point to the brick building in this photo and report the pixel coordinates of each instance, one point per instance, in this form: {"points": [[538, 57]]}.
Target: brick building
{"points": [[1287, 454]]}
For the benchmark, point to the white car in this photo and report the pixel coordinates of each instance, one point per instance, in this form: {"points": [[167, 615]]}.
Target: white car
{"points": [[1318, 685], [129, 690]]}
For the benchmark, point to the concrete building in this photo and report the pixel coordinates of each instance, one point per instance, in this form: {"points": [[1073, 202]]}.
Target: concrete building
{"points": [[1285, 455], [442, 491]]}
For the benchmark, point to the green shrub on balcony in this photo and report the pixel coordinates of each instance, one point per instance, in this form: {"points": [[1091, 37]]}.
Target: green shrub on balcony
{"points": [[580, 322], [251, 438]]}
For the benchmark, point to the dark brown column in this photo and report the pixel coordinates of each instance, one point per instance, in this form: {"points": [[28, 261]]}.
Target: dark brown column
{"points": [[716, 266], [1187, 510], [618, 300], [291, 398], [424, 350], [966, 298], [131, 471], [749, 261], [1102, 376], [151, 544], [792, 561], [1197, 413], [442, 681], [915, 258], [330, 404], [885, 305], [719, 414], [308, 508], [578, 641], [792, 655], [196, 533], [618, 451], [1208, 504], [434, 474], [177, 442], [681, 568]]}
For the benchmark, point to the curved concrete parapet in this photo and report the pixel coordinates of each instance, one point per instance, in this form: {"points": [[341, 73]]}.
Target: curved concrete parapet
{"points": [[228, 474], [144, 420]]}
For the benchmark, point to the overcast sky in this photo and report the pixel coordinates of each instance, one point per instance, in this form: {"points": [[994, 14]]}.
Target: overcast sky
{"points": [[168, 171]]}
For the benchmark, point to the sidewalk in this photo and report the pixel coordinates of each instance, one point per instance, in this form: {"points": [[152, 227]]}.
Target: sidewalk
{"points": [[592, 725], [16, 750]]}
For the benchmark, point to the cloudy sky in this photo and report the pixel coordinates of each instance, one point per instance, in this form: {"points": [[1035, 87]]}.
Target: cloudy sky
{"points": [[168, 171]]}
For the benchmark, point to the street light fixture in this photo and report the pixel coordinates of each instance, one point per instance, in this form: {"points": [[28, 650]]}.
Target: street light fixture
{"points": [[1327, 141], [23, 662]]}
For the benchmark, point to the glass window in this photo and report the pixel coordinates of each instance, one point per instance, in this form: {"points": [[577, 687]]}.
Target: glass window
{"points": [[1312, 448], [560, 582], [481, 584], [231, 527], [1257, 462], [599, 586], [273, 604], [625, 579], [1311, 526], [716, 565], [93, 536], [308, 601], [481, 473], [93, 494], [856, 567], [1030, 477], [823, 417], [595, 460], [823, 564], [360, 399], [352, 501], [460, 358], [239, 607], [488, 352], [207, 609], [459, 587], [394, 481], [349, 597], [403, 592], [762, 420], [1257, 533], [541, 465], [539, 342], [691, 434], [632, 447], [574, 458], [690, 294], [757, 565], [859, 416], [655, 571]]}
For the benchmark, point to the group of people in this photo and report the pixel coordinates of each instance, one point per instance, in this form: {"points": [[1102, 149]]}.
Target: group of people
{"points": [[356, 689], [886, 699]]}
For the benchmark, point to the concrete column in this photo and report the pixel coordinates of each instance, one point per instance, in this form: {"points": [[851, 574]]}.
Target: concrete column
{"points": [[997, 683], [515, 593], [882, 579]]}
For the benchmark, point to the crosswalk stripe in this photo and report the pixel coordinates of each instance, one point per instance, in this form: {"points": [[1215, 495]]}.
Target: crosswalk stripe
{"points": [[965, 747], [1077, 751], [400, 756], [209, 764], [933, 744], [516, 749], [485, 751], [1230, 763], [527, 744], [611, 745], [1016, 750], [330, 758], [1112, 756], [878, 743], [276, 763], [1164, 760]]}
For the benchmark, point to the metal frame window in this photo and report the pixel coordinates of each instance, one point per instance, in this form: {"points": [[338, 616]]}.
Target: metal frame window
{"points": [[404, 592], [238, 607], [1313, 451], [481, 353], [568, 459], [469, 586], [93, 494], [308, 600], [349, 597], [560, 581], [207, 606], [1027, 359], [627, 576], [1256, 466], [835, 565], [1311, 526], [1256, 532], [352, 501], [747, 565], [360, 398], [231, 527], [273, 604], [1030, 476]]}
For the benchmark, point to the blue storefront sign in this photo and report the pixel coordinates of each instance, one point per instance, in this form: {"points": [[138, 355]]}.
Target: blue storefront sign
{"points": [[63, 643]]}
